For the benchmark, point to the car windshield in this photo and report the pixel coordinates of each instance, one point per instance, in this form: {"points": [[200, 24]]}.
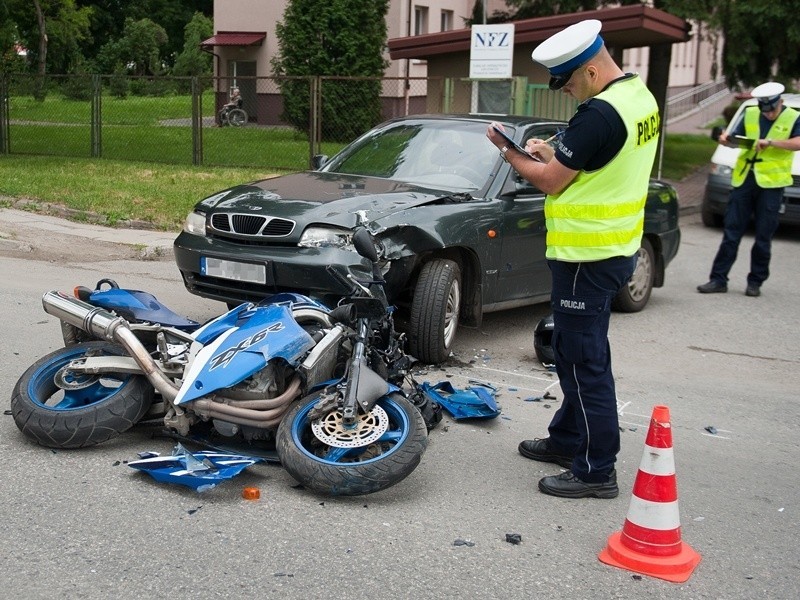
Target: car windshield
{"points": [[452, 155]]}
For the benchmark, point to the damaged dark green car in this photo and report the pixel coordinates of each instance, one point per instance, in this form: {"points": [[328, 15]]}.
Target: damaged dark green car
{"points": [[460, 234]]}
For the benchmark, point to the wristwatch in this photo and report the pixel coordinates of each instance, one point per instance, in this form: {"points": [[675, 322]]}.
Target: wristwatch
{"points": [[503, 151]]}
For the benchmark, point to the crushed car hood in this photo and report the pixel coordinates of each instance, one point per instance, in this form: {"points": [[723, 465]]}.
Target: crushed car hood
{"points": [[317, 197]]}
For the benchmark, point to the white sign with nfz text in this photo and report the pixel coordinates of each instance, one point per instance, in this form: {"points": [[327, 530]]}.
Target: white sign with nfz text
{"points": [[491, 53]]}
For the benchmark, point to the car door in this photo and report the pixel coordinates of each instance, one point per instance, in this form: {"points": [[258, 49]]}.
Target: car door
{"points": [[522, 269]]}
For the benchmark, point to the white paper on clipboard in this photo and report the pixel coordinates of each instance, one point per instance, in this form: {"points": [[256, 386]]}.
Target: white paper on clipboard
{"points": [[511, 142]]}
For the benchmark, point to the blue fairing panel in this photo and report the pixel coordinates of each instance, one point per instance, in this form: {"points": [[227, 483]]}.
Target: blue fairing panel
{"points": [[243, 348]]}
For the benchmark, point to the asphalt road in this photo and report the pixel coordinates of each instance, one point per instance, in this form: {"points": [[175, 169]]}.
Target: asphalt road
{"points": [[81, 524]]}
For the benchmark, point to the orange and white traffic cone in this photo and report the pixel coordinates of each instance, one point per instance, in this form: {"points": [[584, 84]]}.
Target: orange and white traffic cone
{"points": [[650, 540]]}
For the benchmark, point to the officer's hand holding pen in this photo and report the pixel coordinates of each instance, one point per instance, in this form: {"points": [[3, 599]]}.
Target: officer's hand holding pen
{"points": [[541, 149]]}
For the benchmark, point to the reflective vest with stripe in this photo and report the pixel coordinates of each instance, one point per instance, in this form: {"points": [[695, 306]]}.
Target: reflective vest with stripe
{"points": [[772, 166], [600, 214]]}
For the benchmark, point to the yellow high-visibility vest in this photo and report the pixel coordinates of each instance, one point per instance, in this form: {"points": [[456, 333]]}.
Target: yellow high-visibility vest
{"points": [[774, 169], [601, 213]]}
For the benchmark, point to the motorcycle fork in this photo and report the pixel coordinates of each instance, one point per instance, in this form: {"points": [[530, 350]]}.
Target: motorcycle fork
{"points": [[357, 362], [364, 386]]}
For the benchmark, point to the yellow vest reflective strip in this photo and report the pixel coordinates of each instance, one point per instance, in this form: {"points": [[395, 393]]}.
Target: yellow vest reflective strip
{"points": [[774, 169], [595, 211], [600, 214], [586, 239]]}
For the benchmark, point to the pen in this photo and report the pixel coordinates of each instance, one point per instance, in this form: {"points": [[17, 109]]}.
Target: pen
{"points": [[554, 136]]}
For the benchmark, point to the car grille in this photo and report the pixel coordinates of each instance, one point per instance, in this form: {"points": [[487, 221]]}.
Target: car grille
{"points": [[796, 180], [255, 225]]}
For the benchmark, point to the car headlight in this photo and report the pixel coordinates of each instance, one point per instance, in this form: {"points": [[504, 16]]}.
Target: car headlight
{"points": [[327, 237], [722, 170], [195, 223]]}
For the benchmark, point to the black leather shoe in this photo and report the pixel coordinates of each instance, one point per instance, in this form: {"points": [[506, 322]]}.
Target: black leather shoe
{"points": [[752, 290], [568, 485], [540, 450], [712, 287]]}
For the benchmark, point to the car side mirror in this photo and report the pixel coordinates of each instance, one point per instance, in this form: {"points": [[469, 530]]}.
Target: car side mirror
{"points": [[319, 161], [523, 187], [716, 132]]}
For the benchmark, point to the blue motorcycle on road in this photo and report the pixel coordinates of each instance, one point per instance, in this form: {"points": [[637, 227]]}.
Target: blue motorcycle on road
{"points": [[322, 387]]}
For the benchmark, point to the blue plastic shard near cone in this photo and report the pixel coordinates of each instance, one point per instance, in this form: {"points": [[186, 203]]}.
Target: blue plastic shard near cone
{"points": [[199, 470], [473, 403]]}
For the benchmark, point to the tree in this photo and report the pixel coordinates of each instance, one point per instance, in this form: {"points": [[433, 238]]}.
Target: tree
{"points": [[52, 31], [761, 41], [339, 38], [108, 21], [192, 60], [139, 49]]}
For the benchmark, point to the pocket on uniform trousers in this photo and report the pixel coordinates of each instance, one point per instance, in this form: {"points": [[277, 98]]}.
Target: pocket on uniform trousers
{"points": [[574, 338]]}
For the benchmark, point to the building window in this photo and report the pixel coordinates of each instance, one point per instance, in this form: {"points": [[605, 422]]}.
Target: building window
{"points": [[447, 20], [420, 20]]}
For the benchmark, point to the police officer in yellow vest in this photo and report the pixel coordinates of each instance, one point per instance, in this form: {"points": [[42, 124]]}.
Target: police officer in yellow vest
{"points": [[596, 181], [761, 173]]}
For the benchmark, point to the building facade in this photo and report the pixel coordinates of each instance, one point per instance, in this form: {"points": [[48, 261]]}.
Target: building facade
{"points": [[244, 43]]}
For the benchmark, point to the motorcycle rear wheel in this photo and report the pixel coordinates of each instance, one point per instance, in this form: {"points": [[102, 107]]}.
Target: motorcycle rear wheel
{"points": [[353, 471], [92, 408]]}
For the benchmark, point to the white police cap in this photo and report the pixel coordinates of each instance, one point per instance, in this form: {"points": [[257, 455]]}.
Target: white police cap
{"points": [[565, 51], [768, 95]]}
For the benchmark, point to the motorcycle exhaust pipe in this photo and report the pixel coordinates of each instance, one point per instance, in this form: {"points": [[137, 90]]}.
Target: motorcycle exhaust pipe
{"points": [[105, 325]]}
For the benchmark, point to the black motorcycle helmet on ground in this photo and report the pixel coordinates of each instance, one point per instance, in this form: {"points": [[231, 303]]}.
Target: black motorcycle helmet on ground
{"points": [[543, 341]]}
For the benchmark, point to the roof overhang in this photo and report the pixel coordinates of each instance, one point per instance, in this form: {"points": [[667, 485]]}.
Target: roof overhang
{"points": [[623, 27], [235, 38]]}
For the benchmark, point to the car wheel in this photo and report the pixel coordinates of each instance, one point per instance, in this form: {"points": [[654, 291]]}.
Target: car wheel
{"points": [[434, 311], [634, 296], [709, 217]]}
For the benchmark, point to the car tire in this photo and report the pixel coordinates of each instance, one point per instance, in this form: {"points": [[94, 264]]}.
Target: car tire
{"points": [[435, 311], [709, 217], [633, 297]]}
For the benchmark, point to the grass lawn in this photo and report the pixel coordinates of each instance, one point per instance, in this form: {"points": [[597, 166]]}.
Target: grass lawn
{"points": [[118, 190]]}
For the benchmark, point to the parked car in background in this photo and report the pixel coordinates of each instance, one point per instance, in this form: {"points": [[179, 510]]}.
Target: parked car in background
{"points": [[718, 185], [460, 234]]}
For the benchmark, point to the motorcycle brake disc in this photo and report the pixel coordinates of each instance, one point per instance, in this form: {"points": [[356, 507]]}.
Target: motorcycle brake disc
{"points": [[368, 429], [67, 379]]}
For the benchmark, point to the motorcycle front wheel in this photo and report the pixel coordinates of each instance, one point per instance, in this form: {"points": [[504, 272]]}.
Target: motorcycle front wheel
{"points": [[58, 408], [384, 448]]}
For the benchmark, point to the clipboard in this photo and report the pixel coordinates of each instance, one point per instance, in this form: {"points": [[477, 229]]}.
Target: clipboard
{"points": [[514, 144], [741, 142]]}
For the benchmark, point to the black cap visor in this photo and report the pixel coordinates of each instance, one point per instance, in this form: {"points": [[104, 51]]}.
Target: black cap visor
{"points": [[559, 81], [768, 106]]}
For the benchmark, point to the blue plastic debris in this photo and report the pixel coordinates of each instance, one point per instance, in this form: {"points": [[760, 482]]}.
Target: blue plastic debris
{"points": [[473, 403], [200, 471]]}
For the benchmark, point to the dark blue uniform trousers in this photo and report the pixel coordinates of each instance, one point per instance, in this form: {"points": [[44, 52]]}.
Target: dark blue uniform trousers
{"points": [[763, 205], [586, 426]]}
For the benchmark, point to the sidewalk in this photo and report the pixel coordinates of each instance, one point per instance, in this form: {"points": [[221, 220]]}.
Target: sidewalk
{"points": [[690, 191], [153, 243]]}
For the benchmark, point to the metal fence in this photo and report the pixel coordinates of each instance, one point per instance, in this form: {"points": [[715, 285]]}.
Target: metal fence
{"points": [[704, 98], [177, 120]]}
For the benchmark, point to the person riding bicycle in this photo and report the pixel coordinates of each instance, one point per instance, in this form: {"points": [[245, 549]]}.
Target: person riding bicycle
{"points": [[236, 101]]}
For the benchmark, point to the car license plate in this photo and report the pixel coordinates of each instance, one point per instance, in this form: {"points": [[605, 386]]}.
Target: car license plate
{"points": [[238, 271]]}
